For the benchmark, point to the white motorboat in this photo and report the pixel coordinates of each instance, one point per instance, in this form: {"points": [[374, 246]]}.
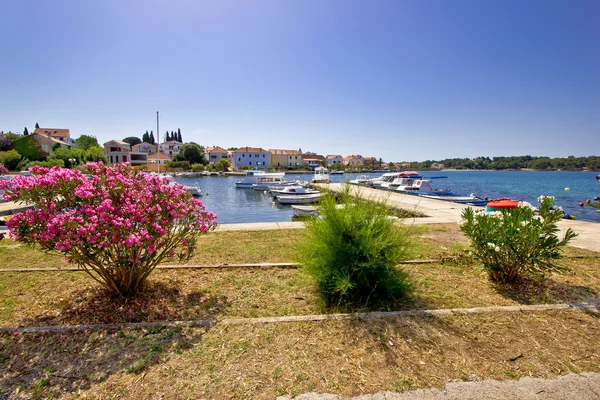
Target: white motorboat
{"points": [[194, 191], [321, 175], [392, 180], [304, 211], [298, 199], [419, 186], [295, 190], [270, 182], [336, 173], [252, 177]]}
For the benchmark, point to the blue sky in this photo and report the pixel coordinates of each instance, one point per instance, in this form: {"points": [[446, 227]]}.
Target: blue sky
{"points": [[396, 79]]}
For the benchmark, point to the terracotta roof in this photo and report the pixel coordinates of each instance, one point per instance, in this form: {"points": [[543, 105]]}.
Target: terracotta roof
{"points": [[159, 155], [330, 156], [247, 149], [285, 152], [216, 149], [54, 132], [314, 157], [118, 142], [370, 159]]}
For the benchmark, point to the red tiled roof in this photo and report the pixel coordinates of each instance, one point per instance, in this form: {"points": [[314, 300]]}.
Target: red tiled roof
{"points": [[54, 132], [330, 156], [216, 149], [159, 155], [247, 149]]}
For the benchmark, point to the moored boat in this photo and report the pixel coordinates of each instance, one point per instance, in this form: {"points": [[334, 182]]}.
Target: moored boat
{"points": [[471, 200], [298, 199], [295, 190], [321, 175], [304, 211], [419, 186], [252, 177]]}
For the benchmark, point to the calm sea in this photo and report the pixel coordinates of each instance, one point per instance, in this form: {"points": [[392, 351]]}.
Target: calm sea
{"points": [[246, 205]]}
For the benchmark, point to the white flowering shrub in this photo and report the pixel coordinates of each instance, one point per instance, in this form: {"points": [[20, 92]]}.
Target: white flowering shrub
{"points": [[515, 243]]}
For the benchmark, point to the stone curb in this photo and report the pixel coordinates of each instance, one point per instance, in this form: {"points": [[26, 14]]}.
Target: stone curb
{"points": [[309, 318]]}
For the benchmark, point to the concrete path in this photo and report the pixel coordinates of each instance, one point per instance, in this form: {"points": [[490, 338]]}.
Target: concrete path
{"points": [[584, 386]]}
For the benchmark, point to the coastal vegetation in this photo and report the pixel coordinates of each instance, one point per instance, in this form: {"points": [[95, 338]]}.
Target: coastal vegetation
{"points": [[346, 357], [570, 163], [517, 243], [116, 225], [352, 252]]}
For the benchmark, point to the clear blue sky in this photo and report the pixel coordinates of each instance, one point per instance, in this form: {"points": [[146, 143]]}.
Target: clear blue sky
{"points": [[396, 79]]}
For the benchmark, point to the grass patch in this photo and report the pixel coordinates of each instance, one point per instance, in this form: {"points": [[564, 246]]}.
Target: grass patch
{"points": [[264, 361]]}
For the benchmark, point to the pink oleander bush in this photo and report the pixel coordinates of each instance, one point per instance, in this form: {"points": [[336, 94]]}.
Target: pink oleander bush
{"points": [[117, 223]]}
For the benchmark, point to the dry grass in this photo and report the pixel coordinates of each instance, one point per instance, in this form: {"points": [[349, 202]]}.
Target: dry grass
{"points": [[266, 360], [262, 361]]}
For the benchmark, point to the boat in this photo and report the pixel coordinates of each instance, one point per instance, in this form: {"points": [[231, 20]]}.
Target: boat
{"points": [[362, 180], [194, 191], [471, 200], [419, 186], [321, 175], [270, 182], [336, 173], [252, 177], [295, 190], [304, 211], [298, 199], [598, 177], [393, 180], [502, 204]]}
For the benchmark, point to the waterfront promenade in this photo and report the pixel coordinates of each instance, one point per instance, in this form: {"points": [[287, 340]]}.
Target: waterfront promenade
{"points": [[433, 212]]}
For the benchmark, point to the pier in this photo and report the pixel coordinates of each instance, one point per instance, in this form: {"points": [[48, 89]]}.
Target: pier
{"points": [[444, 212]]}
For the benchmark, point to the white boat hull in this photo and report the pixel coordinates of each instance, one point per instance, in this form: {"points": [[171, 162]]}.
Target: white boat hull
{"points": [[304, 211], [298, 199]]}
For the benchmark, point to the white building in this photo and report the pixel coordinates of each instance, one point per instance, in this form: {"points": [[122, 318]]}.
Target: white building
{"points": [[251, 157], [144, 148], [170, 148], [120, 152], [334, 160]]}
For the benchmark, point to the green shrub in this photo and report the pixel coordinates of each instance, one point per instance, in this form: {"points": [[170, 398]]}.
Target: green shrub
{"points": [[352, 251], [197, 167], [46, 164], [10, 159], [516, 243], [178, 165]]}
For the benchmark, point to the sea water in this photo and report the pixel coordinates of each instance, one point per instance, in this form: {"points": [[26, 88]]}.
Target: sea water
{"points": [[246, 205]]}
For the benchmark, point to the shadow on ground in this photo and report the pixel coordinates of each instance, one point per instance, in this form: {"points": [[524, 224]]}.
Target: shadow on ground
{"points": [[545, 290], [48, 364]]}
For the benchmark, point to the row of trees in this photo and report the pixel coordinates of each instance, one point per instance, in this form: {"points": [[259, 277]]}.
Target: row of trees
{"points": [[570, 163], [149, 138]]}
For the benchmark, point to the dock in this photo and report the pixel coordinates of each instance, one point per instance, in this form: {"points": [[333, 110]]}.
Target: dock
{"points": [[10, 208], [446, 212]]}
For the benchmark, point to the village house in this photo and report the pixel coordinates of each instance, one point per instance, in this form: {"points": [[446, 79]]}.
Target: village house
{"points": [[157, 158], [170, 148], [370, 162], [45, 141], [251, 157], [120, 152], [214, 154], [354, 160], [64, 135], [144, 147], [312, 160], [334, 160], [286, 158]]}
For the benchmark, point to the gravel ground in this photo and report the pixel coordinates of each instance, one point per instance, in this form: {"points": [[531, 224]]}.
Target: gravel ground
{"points": [[584, 386]]}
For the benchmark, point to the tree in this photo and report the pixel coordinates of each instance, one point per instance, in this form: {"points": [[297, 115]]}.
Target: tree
{"points": [[10, 159], [179, 135], [146, 137], [132, 140], [6, 144], [192, 153], [116, 233], [84, 142], [25, 132], [222, 164], [95, 153], [37, 125], [152, 141]]}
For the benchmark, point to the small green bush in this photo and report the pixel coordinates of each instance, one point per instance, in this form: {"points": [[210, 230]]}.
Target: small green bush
{"points": [[516, 243], [197, 167], [352, 251]]}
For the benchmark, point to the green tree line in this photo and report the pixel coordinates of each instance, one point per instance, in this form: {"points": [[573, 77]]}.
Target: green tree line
{"points": [[570, 163]]}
